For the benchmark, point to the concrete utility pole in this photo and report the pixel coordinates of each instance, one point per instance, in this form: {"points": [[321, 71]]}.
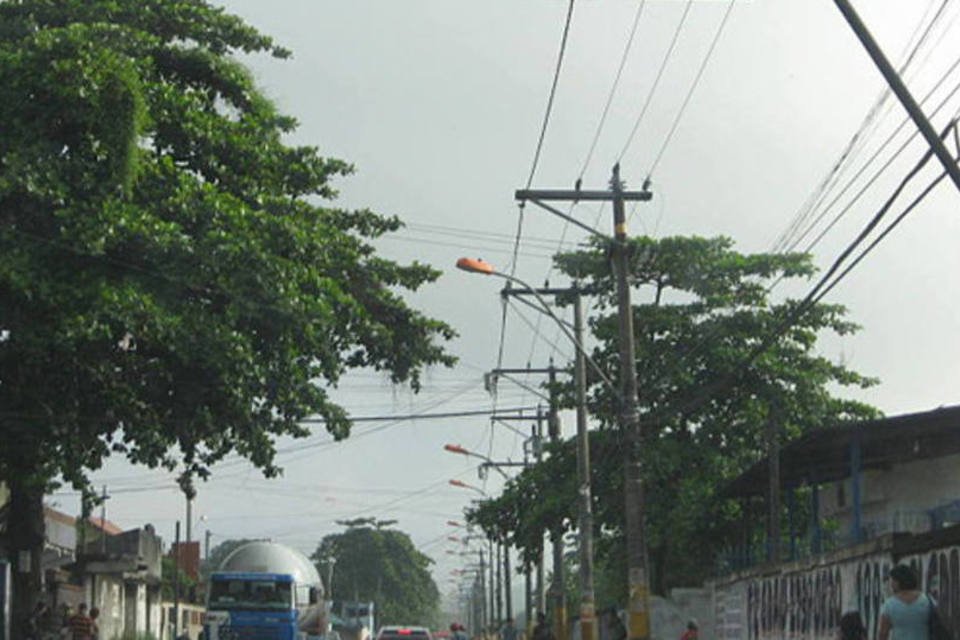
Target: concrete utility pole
{"points": [[499, 589], [556, 536], [637, 574], [492, 621], [541, 591], [507, 588], [588, 618], [176, 580], [103, 520], [900, 89], [483, 597]]}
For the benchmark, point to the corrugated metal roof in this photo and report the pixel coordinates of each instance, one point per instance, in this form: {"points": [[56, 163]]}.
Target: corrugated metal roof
{"points": [[823, 455]]}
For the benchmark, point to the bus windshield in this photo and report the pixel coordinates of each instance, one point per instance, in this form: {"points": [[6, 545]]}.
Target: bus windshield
{"points": [[266, 595]]}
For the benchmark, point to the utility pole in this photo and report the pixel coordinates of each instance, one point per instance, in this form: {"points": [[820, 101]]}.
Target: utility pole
{"points": [[483, 598], [637, 574], [556, 536], [900, 89], [588, 618], [492, 621], [499, 591], [176, 580], [507, 589], [541, 594], [206, 545], [103, 520], [189, 492], [639, 608]]}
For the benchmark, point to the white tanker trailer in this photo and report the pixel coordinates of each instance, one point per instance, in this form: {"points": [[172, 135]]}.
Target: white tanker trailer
{"points": [[265, 591]]}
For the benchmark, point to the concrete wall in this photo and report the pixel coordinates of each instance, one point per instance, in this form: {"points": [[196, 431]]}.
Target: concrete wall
{"points": [[804, 600]]}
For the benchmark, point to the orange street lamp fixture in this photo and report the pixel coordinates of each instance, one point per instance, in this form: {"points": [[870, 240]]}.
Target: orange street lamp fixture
{"points": [[476, 265], [455, 448], [453, 523]]}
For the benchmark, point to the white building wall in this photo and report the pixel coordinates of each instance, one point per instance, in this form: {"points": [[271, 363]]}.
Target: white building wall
{"points": [[141, 607], [108, 597], [896, 499]]}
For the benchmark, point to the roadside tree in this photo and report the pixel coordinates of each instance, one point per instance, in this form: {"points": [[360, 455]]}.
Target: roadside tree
{"points": [[374, 563], [174, 284]]}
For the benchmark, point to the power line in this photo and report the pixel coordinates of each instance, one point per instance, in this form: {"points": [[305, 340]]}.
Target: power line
{"points": [[613, 89], [874, 177], [916, 201], [858, 140], [656, 81], [533, 169], [871, 225], [696, 80], [553, 92]]}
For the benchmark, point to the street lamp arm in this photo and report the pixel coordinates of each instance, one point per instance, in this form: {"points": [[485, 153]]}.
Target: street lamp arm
{"points": [[476, 265]]}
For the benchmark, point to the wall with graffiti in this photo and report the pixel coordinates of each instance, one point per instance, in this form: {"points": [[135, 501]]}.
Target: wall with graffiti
{"points": [[805, 602]]}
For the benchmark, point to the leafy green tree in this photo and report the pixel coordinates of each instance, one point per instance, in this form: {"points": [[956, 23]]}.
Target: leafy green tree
{"points": [[372, 563], [703, 312], [174, 284], [167, 586]]}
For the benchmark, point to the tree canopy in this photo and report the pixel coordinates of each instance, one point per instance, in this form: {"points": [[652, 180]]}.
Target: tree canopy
{"points": [[706, 399], [174, 282], [372, 563]]}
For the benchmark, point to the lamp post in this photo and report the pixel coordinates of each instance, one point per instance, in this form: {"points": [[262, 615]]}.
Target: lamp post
{"points": [[588, 623]]}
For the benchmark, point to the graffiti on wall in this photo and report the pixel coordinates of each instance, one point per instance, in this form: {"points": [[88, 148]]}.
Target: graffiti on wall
{"points": [[870, 589], [807, 605], [941, 579], [801, 605]]}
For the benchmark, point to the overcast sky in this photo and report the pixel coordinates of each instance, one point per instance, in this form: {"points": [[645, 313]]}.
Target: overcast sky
{"points": [[439, 104]]}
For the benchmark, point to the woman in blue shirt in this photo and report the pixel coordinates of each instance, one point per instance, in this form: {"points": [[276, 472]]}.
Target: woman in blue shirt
{"points": [[906, 614]]}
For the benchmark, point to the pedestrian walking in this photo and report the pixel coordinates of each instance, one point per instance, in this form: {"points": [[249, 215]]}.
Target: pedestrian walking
{"points": [[80, 624], [94, 618], [906, 614]]}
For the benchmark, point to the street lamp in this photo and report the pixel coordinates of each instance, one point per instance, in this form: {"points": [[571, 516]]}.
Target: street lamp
{"points": [[464, 485], [587, 600]]}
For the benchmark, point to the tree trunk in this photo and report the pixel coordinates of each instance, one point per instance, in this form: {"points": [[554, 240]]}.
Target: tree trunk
{"points": [[25, 540]]}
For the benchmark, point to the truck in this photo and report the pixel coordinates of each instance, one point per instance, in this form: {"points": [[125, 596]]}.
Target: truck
{"points": [[353, 620], [265, 591]]}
